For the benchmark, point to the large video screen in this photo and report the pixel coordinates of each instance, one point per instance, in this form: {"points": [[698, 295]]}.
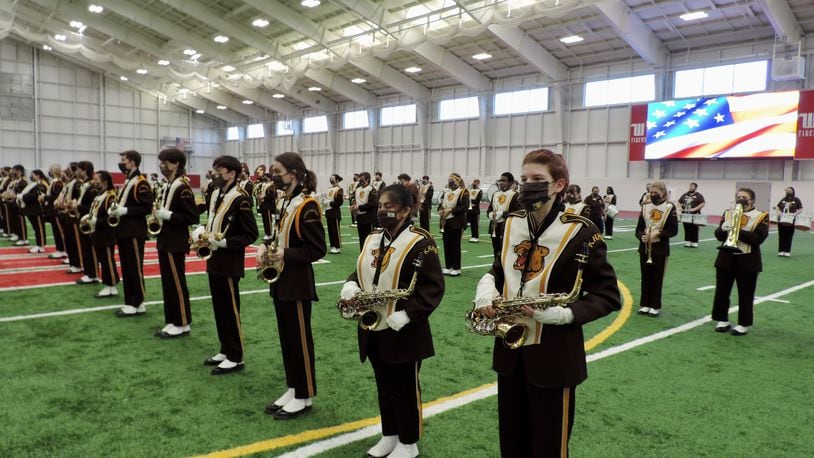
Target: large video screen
{"points": [[747, 126]]}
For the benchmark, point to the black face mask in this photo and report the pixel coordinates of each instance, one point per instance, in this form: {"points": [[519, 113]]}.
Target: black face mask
{"points": [[656, 198], [389, 221], [218, 181], [572, 199], [743, 202], [451, 184], [123, 168], [278, 182], [789, 194], [534, 195]]}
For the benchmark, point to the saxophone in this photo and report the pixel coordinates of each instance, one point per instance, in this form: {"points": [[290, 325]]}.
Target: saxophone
{"points": [[154, 223], [366, 307], [268, 270], [503, 324]]}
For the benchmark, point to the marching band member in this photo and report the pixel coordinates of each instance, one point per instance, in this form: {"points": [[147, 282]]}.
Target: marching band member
{"points": [[740, 267], [790, 204], [70, 224], [402, 339], [377, 184], [573, 201], [503, 202], [657, 224], [473, 213], [425, 202], [245, 182], [102, 236], [364, 207], [177, 212], [19, 228], [452, 210], [135, 201], [352, 197], [301, 240], [691, 203], [333, 213], [596, 206], [230, 227], [610, 199], [537, 382], [48, 200], [645, 198], [268, 205], [412, 188], [31, 208], [84, 172], [5, 179], [258, 180]]}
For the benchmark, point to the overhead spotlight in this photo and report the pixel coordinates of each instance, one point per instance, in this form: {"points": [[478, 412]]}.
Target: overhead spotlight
{"points": [[247, 102], [200, 111], [95, 9], [221, 39], [314, 88], [310, 3], [412, 69], [190, 52], [278, 96], [221, 107], [60, 37], [228, 68], [571, 39], [358, 80], [76, 24], [123, 78], [691, 16], [163, 62], [260, 23], [195, 56], [47, 48], [482, 56], [142, 71]]}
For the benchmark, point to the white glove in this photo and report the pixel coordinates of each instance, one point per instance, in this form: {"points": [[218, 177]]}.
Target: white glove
{"points": [[196, 233], [554, 315], [485, 292], [164, 214], [93, 221], [349, 289], [726, 226], [119, 211], [498, 215], [218, 243], [398, 320]]}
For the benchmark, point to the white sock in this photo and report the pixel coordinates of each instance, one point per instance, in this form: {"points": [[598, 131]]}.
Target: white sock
{"points": [[385, 445], [287, 396], [295, 405], [219, 357], [741, 329], [722, 324], [404, 451], [226, 364]]}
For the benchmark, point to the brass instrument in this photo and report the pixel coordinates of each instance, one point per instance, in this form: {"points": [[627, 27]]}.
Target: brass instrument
{"points": [[203, 240], [733, 217], [504, 324], [72, 211], [268, 270], [367, 307], [155, 223], [112, 219], [649, 244], [85, 226]]}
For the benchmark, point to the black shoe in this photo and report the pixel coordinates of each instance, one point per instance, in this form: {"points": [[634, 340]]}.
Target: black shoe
{"points": [[104, 296], [723, 328], [285, 415], [166, 335], [217, 370], [272, 408]]}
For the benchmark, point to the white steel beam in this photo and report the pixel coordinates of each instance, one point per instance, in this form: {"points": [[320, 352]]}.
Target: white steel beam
{"points": [[530, 50], [782, 18], [634, 32]]}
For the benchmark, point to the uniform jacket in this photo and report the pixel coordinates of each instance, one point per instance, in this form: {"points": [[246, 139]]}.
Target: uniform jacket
{"points": [[31, 200], [748, 262], [139, 202], [496, 224], [51, 194], [334, 207], [458, 220], [475, 196], [370, 207], [668, 229], [104, 235], [86, 195], [238, 214], [596, 204], [690, 200], [180, 200], [427, 204]]}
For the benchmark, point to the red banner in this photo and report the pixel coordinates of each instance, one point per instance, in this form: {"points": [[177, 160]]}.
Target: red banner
{"points": [[638, 132], [805, 126]]}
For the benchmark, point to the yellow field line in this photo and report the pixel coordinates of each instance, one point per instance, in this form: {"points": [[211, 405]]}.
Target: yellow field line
{"points": [[320, 433]]}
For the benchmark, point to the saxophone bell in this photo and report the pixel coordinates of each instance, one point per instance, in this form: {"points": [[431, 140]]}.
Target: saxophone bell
{"points": [[112, 219], [513, 334], [85, 226], [268, 270]]}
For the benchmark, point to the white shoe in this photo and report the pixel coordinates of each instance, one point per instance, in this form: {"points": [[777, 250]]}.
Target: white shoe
{"points": [[22, 243], [404, 451], [740, 330], [644, 310], [66, 261], [781, 254], [185, 328], [74, 270], [173, 330], [385, 445], [226, 364], [335, 250], [788, 255], [653, 312], [56, 255], [14, 238], [36, 249], [454, 272], [474, 240], [608, 237], [295, 405], [445, 271], [285, 398], [688, 244]]}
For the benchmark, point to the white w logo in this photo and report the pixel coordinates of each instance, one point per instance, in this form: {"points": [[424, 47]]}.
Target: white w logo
{"points": [[638, 129], [807, 120]]}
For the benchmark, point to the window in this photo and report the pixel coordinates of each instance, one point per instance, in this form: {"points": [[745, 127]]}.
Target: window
{"points": [[355, 120], [402, 114], [284, 128], [721, 79], [232, 134], [521, 101], [462, 108], [315, 124], [255, 131], [620, 91]]}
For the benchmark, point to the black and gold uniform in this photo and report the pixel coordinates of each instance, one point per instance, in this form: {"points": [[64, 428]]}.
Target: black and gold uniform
{"points": [[103, 239], [365, 200], [31, 208], [657, 223], [52, 192], [503, 202], [597, 209], [19, 228], [610, 203], [691, 204], [267, 203], [333, 215], [425, 194], [352, 198], [452, 210], [70, 225], [473, 214], [787, 208], [5, 180], [87, 194]]}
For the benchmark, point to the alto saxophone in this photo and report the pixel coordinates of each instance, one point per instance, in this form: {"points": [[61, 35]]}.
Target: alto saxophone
{"points": [[367, 307], [154, 223], [268, 270], [504, 324]]}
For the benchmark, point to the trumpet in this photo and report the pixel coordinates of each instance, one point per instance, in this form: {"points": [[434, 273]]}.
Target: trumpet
{"points": [[504, 324], [367, 307], [649, 245], [733, 217], [155, 223]]}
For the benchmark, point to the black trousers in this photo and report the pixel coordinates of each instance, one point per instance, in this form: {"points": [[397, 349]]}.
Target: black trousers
{"points": [[59, 235], [89, 261], [474, 220], [334, 235], [297, 346], [131, 258], [424, 219], [73, 243], [226, 305], [174, 288], [452, 248], [690, 232], [364, 230], [747, 283], [785, 234], [4, 217], [399, 395], [609, 226], [265, 215], [652, 280], [352, 217], [107, 265], [38, 223], [17, 223], [533, 421]]}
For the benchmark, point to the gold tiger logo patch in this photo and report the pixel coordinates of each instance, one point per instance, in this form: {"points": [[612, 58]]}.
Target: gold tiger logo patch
{"points": [[501, 199], [656, 215], [385, 259], [535, 264]]}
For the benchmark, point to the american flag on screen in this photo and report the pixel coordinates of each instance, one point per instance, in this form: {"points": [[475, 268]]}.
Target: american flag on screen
{"points": [[758, 125]]}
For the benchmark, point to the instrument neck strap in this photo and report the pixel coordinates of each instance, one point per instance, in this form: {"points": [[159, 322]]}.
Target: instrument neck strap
{"points": [[380, 259], [533, 236]]}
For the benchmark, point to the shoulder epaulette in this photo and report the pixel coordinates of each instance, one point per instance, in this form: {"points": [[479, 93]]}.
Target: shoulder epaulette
{"points": [[517, 214], [242, 191], [421, 231], [574, 218]]}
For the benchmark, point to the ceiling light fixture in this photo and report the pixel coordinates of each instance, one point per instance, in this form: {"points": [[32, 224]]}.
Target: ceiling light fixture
{"points": [[60, 37], [358, 80], [123, 78], [310, 3], [228, 68], [76, 24], [221, 39], [571, 39], [694, 15], [190, 52], [221, 107], [482, 56], [200, 111], [195, 56], [142, 71], [47, 48], [278, 96], [247, 102], [314, 88], [163, 62], [95, 9], [260, 23], [412, 69]]}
